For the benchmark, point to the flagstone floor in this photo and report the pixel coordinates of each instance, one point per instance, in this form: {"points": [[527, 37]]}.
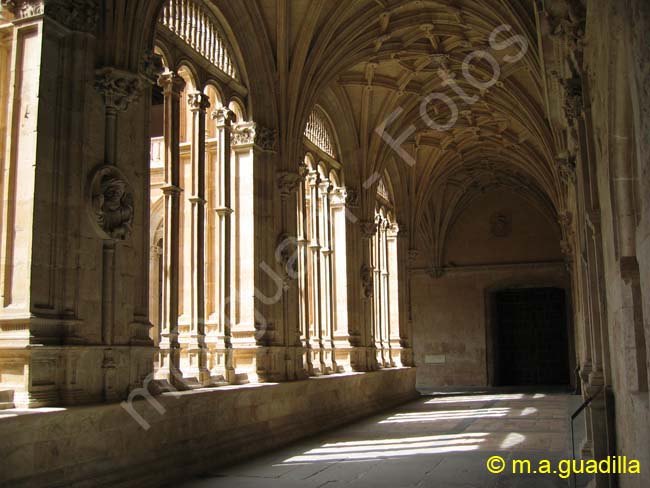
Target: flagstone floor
{"points": [[440, 440]]}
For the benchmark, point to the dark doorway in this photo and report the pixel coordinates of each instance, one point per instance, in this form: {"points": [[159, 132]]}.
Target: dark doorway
{"points": [[531, 337]]}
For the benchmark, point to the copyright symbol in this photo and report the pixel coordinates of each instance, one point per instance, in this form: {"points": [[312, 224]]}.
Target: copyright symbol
{"points": [[496, 464]]}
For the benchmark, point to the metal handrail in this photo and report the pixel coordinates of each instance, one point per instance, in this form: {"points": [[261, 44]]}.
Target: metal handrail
{"points": [[578, 411]]}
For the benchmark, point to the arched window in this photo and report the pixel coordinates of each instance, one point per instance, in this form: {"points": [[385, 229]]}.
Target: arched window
{"points": [[191, 182], [384, 263], [318, 131], [198, 28], [322, 265]]}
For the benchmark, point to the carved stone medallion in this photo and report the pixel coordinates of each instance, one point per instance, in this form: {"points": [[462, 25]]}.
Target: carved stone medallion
{"points": [[500, 224], [110, 202]]}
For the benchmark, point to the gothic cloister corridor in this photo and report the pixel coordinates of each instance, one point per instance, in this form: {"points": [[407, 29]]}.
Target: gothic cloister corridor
{"points": [[239, 239], [440, 440]]}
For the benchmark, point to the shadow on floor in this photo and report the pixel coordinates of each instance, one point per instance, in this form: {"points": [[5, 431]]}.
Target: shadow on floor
{"points": [[444, 439]]}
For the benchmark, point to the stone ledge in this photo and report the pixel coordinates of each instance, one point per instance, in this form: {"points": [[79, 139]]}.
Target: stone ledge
{"points": [[102, 445]]}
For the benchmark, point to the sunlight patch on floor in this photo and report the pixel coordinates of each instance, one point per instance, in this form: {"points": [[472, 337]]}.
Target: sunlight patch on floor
{"points": [[447, 415], [388, 448], [475, 398]]}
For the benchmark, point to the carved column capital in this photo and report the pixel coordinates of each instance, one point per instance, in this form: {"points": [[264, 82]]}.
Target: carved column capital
{"points": [[253, 134], [568, 28], [303, 170], [393, 230], [170, 82], [76, 15], [572, 98], [119, 88], [402, 231], [325, 186], [23, 9], [339, 196], [151, 66], [566, 164], [223, 116], [198, 101], [287, 183], [313, 178], [368, 228]]}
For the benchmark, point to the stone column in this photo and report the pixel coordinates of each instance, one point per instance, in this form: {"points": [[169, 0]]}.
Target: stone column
{"points": [[327, 332], [258, 344], [341, 332], [394, 308], [405, 330], [385, 295], [169, 352], [194, 365], [600, 413], [367, 349], [303, 269], [155, 254], [316, 271], [378, 290], [109, 187], [73, 325], [220, 340], [287, 255]]}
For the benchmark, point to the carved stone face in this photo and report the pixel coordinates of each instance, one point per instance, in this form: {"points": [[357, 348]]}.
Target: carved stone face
{"points": [[113, 190], [112, 203]]}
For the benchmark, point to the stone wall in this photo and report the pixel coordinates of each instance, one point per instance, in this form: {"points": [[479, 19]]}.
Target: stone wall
{"points": [[189, 433], [500, 240], [616, 63], [451, 324]]}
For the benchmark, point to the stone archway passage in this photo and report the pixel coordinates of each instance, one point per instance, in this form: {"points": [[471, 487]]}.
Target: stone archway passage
{"points": [[531, 337]]}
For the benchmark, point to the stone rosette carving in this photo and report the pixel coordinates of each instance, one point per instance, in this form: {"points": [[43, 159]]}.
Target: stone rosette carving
{"points": [[119, 88], [110, 203], [366, 280], [251, 133]]}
